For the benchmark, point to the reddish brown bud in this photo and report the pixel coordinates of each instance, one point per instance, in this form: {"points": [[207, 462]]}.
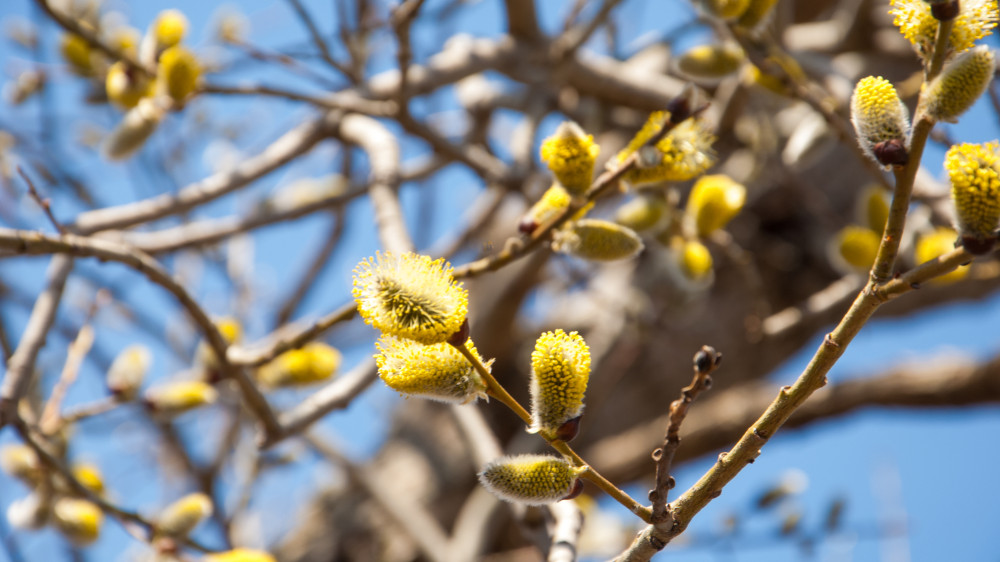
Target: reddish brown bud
{"points": [[568, 430], [891, 153], [576, 490]]}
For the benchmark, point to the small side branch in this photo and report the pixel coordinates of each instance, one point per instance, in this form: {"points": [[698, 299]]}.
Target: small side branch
{"points": [[706, 361], [42, 202]]}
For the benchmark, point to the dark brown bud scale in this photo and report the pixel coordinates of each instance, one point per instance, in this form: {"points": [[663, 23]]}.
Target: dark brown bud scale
{"points": [[576, 490], [703, 361], [979, 246], [569, 429], [527, 226], [462, 335], [891, 153], [944, 11]]}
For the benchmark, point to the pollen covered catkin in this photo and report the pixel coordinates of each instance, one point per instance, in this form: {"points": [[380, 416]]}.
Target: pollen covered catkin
{"points": [[529, 479], [560, 370]]}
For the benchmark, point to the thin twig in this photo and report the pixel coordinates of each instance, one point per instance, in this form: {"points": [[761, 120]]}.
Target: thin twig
{"points": [[496, 390], [89, 410], [317, 39], [569, 42], [402, 19], [412, 518], [764, 54], [331, 241], [92, 39], [382, 149], [654, 537], [517, 248], [344, 101], [705, 362], [20, 367], [213, 230], [78, 349], [336, 395], [133, 523], [288, 338], [23, 242], [42, 202], [283, 150]]}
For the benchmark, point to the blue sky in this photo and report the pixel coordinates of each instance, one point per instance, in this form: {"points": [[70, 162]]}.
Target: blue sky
{"points": [[943, 461]]}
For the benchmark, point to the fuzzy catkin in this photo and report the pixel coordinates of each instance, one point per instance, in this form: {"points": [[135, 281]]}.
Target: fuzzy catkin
{"points": [[529, 479]]}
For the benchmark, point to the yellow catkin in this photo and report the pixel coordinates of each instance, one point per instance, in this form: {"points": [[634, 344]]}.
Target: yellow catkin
{"points": [[136, 127], [78, 53], [170, 28], [79, 520], [878, 114], [756, 13], [642, 213], [231, 331], [711, 61], [560, 369], [685, 152], [128, 370], [598, 240], [935, 243], [873, 207], [436, 371], [90, 476], [126, 87], [20, 461], [857, 246], [180, 396], [314, 362], [570, 154], [550, 205], [410, 296], [177, 74], [976, 19], [529, 479], [713, 202], [727, 9], [181, 517], [239, 555], [974, 171], [959, 85], [694, 260]]}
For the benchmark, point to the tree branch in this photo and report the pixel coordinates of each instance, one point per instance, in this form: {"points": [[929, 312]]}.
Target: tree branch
{"points": [[34, 243]]}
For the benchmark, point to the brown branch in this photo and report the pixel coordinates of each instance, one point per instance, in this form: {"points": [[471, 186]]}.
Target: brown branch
{"points": [[34, 243], [331, 240], [654, 537], [292, 337], [522, 21], [75, 27], [679, 109], [705, 362], [568, 43], [317, 39], [383, 158], [402, 19], [945, 382], [409, 516], [50, 420], [42, 202], [286, 148], [21, 365], [131, 521], [346, 100], [210, 231], [335, 395]]}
